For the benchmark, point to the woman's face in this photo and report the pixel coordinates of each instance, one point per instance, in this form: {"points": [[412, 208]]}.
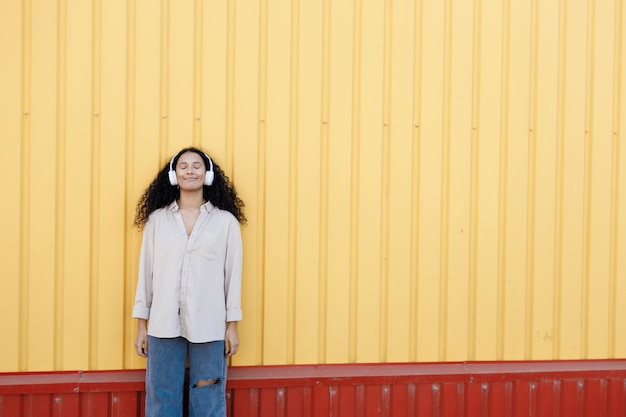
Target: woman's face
{"points": [[190, 171]]}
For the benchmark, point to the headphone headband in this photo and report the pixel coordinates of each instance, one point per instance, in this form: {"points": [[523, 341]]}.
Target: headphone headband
{"points": [[208, 178]]}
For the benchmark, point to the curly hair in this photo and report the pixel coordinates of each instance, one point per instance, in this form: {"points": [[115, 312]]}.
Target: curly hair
{"points": [[160, 193]]}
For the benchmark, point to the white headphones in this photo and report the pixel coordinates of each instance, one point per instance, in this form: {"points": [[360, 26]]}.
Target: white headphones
{"points": [[208, 177]]}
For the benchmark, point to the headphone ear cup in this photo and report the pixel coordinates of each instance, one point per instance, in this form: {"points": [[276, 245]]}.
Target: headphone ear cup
{"points": [[172, 177], [208, 178]]}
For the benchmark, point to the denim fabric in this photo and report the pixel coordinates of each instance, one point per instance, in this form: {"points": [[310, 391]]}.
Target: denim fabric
{"points": [[165, 378]]}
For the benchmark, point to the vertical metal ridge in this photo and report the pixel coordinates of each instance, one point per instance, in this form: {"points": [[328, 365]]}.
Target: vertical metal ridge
{"points": [[25, 178], [621, 393], [129, 165], [333, 400], [615, 181], [503, 176], [508, 398], [385, 183], [280, 402], [437, 400], [411, 399], [359, 409], [164, 80], [580, 395], [533, 397], [485, 396], [292, 209], [261, 178], [307, 402], [231, 26], [474, 180], [385, 400], [460, 397], [587, 178], [198, 78], [94, 264], [556, 398], [560, 178], [415, 180], [324, 186], [604, 388], [59, 205], [445, 181], [355, 172], [532, 161]]}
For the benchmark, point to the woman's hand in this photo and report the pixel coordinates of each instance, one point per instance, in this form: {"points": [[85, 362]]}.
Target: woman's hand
{"points": [[141, 343], [231, 340]]}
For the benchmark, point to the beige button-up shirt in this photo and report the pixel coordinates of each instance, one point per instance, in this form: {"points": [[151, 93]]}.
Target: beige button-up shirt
{"points": [[190, 286]]}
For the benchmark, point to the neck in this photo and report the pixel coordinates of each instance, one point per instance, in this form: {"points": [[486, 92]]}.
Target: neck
{"points": [[190, 200]]}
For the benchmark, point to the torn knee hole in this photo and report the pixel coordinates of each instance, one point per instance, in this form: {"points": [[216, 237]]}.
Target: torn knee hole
{"points": [[205, 382]]}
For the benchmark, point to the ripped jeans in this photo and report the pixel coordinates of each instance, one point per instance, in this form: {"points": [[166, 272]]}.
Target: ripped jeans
{"points": [[165, 378]]}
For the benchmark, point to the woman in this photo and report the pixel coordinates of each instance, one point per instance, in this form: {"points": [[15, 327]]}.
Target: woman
{"points": [[189, 286]]}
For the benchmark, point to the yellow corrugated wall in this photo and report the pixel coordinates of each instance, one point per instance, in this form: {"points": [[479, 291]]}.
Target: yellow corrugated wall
{"points": [[424, 180]]}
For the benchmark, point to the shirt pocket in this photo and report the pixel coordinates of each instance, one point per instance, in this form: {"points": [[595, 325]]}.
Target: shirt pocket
{"points": [[211, 246]]}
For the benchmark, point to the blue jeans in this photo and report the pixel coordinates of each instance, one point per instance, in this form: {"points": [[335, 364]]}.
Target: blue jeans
{"points": [[165, 378]]}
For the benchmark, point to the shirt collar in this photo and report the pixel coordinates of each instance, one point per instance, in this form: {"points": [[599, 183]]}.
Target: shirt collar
{"points": [[208, 206]]}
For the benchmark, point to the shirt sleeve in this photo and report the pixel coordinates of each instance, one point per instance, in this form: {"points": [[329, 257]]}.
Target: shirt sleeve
{"points": [[143, 294], [233, 272]]}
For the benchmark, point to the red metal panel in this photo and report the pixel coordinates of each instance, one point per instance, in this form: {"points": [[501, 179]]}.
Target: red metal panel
{"points": [[616, 398], [244, 402], [595, 398], [545, 396], [321, 400], [521, 399], [298, 401], [372, 400], [425, 396], [476, 396], [66, 405], [268, 403], [451, 400], [570, 398], [499, 400], [37, 405], [95, 404], [399, 400], [346, 401], [125, 404], [10, 405], [517, 389]]}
